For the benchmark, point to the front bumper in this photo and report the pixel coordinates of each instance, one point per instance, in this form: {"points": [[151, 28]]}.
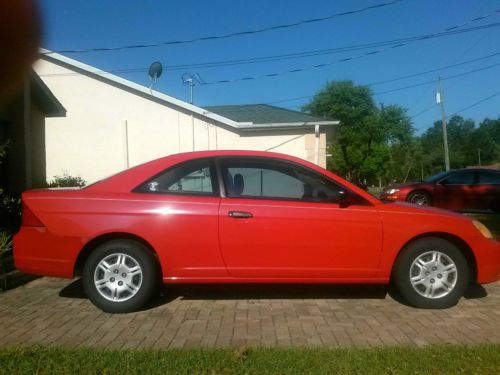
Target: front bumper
{"points": [[487, 253], [396, 197]]}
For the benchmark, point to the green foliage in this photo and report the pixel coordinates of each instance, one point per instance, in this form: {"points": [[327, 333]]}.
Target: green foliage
{"points": [[370, 138], [66, 181], [464, 142], [3, 150], [378, 142], [440, 359], [5, 242]]}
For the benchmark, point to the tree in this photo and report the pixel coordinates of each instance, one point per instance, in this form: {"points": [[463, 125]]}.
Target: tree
{"points": [[464, 139], [362, 146]]}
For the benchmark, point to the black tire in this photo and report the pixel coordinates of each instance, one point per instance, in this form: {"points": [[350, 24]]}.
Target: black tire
{"points": [[415, 196], [145, 283], [404, 269]]}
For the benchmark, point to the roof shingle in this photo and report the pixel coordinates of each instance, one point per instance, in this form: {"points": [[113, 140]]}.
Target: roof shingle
{"points": [[263, 114]]}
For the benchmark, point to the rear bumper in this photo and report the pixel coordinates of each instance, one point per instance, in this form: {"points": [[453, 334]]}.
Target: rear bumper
{"points": [[487, 254], [38, 252]]}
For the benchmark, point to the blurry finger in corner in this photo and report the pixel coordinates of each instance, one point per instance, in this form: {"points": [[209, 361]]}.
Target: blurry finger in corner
{"points": [[20, 34]]}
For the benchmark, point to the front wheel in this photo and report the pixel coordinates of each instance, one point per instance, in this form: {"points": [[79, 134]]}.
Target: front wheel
{"points": [[420, 198], [431, 273], [120, 276]]}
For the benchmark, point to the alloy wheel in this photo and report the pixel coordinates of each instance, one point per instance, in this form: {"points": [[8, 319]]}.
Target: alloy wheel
{"points": [[118, 277], [433, 274]]}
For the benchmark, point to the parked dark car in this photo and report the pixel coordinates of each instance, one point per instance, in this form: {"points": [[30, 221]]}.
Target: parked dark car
{"points": [[460, 189]]}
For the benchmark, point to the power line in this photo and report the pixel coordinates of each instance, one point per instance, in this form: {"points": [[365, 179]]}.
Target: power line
{"points": [[396, 44], [262, 59], [412, 76], [443, 79], [465, 108], [235, 34]]}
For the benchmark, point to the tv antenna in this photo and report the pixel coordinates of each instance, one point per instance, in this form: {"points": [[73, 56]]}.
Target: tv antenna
{"points": [[154, 73], [191, 79]]}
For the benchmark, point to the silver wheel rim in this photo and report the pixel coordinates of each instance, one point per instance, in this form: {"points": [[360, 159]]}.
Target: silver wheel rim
{"points": [[419, 199], [433, 275], [118, 277]]}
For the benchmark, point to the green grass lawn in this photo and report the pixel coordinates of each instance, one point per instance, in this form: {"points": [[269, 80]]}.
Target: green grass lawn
{"points": [[483, 359]]}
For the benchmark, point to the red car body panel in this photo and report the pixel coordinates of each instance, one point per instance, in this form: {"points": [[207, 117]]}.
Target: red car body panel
{"points": [[196, 241]]}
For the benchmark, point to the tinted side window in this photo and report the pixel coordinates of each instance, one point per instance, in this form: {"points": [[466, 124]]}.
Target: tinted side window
{"points": [[460, 178], [276, 180], [487, 177], [194, 178]]}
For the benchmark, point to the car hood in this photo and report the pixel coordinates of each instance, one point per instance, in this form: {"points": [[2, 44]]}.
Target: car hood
{"points": [[412, 184], [411, 208]]}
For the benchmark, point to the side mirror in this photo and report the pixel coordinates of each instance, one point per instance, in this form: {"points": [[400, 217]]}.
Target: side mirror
{"points": [[343, 199]]}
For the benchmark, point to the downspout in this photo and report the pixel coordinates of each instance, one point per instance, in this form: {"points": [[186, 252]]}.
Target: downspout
{"points": [[316, 143], [28, 182], [125, 142]]}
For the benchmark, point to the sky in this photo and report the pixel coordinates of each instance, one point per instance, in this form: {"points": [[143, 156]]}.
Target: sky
{"points": [[86, 24]]}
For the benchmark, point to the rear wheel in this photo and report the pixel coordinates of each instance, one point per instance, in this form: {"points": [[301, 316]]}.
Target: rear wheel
{"points": [[431, 273], [120, 276], [420, 198]]}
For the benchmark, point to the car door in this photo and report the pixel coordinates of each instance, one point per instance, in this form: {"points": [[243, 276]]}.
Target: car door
{"points": [[282, 220], [489, 185], [179, 208], [457, 191]]}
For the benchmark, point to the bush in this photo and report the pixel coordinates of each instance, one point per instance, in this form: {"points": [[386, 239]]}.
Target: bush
{"points": [[5, 242], [10, 213], [66, 181]]}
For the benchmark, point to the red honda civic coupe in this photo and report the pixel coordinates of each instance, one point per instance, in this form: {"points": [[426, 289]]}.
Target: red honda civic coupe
{"points": [[245, 217]]}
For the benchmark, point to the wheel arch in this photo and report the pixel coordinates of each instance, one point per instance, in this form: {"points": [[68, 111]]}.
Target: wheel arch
{"points": [[454, 239], [103, 238]]}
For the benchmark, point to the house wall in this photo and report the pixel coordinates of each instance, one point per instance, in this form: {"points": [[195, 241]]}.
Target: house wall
{"points": [[105, 125]]}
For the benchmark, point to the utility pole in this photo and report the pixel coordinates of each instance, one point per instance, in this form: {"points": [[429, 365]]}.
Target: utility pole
{"points": [[479, 155], [440, 101]]}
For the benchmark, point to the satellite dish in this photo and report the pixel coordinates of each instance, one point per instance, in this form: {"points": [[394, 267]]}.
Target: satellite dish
{"points": [[155, 71]]}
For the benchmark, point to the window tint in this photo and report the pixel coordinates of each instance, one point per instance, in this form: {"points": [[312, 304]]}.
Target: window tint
{"points": [[195, 177], [460, 178], [276, 180], [487, 177]]}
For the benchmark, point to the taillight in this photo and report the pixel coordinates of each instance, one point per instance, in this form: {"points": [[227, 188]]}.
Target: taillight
{"points": [[29, 218]]}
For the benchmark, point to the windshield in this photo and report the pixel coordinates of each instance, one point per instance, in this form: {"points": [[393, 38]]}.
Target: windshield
{"points": [[437, 177]]}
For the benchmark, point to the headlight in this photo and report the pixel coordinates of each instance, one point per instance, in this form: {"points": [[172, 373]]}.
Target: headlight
{"points": [[482, 228], [392, 191]]}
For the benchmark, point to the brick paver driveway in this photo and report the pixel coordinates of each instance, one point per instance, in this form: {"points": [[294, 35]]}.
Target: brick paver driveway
{"points": [[52, 311]]}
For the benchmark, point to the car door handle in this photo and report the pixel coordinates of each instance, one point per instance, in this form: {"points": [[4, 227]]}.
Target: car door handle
{"points": [[240, 214]]}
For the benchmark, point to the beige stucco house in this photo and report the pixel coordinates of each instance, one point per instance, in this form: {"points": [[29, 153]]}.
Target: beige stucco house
{"points": [[112, 124]]}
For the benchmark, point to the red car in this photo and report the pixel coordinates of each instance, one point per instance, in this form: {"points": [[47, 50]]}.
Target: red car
{"points": [[245, 217], [461, 189]]}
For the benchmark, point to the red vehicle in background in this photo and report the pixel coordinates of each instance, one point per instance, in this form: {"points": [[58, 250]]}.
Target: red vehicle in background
{"points": [[462, 189]]}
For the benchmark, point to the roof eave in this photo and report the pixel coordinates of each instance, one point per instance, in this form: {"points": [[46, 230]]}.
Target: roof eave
{"points": [[49, 55], [286, 125]]}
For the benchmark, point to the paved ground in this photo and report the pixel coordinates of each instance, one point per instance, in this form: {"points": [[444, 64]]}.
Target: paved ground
{"points": [[54, 312]]}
